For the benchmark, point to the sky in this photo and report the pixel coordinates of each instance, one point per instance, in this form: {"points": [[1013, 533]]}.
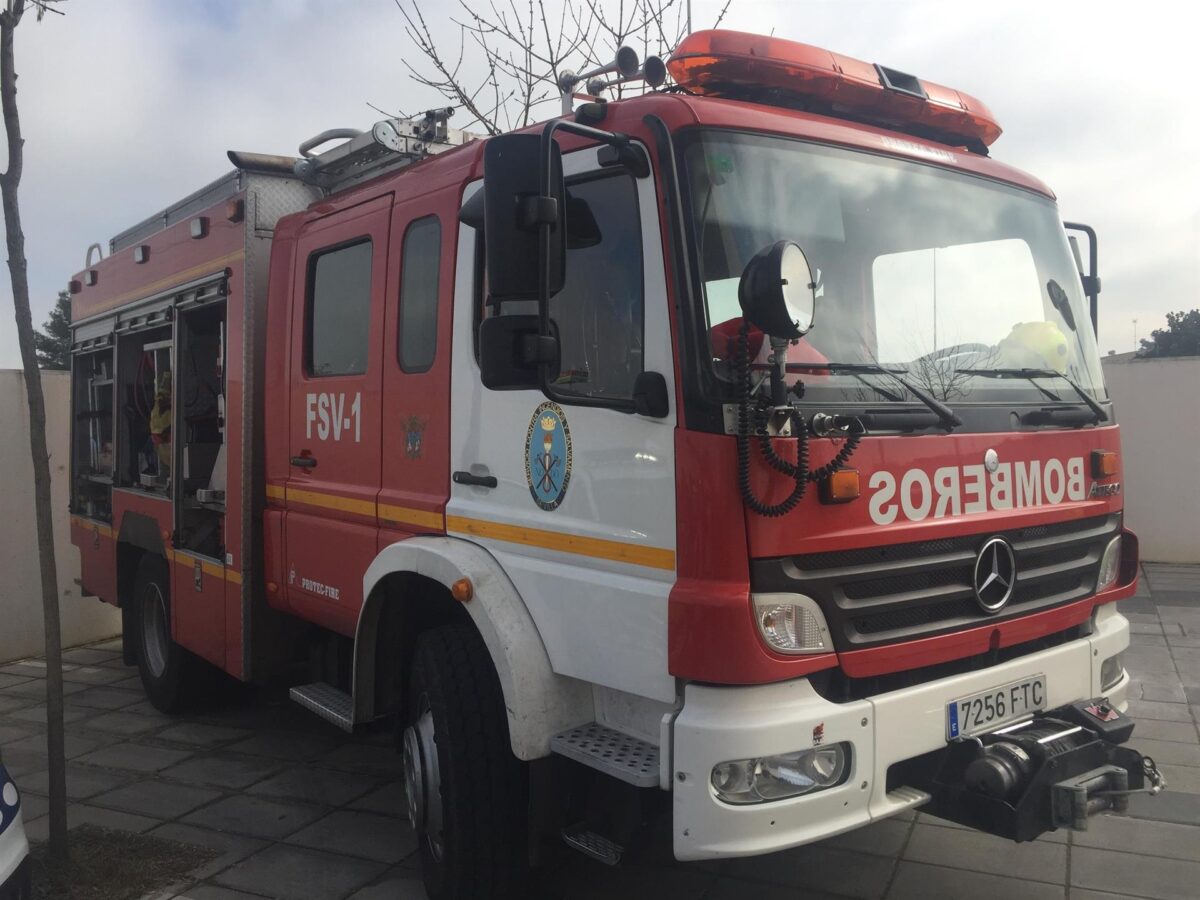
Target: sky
{"points": [[128, 105]]}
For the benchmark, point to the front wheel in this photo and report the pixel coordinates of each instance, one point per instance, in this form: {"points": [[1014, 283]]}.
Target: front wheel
{"points": [[467, 793], [168, 671]]}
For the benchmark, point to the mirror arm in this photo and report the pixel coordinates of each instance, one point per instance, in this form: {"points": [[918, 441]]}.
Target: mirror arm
{"points": [[1091, 281]]}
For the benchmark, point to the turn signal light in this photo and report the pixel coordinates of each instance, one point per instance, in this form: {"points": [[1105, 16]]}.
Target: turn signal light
{"points": [[462, 590], [1104, 463], [840, 487]]}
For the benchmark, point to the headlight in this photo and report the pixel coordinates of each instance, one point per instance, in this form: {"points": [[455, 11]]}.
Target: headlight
{"points": [[791, 623], [1111, 671], [742, 781], [1110, 565]]}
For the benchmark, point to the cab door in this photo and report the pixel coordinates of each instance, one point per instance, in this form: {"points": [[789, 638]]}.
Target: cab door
{"points": [[575, 494], [334, 441]]}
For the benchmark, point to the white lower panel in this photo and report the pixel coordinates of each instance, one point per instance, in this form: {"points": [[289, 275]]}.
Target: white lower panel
{"points": [[13, 847], [718, 724]]}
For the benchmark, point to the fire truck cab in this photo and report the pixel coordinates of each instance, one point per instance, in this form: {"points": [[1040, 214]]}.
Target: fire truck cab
{"points": [[738, 451]]}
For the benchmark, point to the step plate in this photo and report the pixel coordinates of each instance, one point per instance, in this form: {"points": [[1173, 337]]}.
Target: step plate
{"points": [[326, 701], [597, 846], [627, 758]]}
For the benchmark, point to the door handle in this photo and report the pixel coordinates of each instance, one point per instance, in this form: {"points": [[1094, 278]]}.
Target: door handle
{"points": [[304, 462], [487, 481]]}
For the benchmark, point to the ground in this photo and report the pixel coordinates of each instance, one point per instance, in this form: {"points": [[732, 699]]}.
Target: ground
{"points": [[298, 810]]}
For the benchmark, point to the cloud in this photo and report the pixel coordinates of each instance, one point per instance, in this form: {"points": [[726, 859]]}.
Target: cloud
{"points": [[129, 106]]}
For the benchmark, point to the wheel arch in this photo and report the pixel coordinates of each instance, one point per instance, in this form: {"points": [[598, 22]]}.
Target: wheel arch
{"points": [[539, 702]]}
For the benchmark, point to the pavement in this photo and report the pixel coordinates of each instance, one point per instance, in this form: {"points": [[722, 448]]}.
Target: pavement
{"points": [[300, 811]]}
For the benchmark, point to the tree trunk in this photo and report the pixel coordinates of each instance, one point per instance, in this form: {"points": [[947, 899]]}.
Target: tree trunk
{"points": [[9, 183]]}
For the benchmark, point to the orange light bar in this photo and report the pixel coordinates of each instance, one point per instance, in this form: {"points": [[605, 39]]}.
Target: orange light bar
{"points": [[840, 487], [773, 70], [1104, 463]]}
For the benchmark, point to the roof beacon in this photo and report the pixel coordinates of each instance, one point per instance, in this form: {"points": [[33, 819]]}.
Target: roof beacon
{"points": [[786, 73]]}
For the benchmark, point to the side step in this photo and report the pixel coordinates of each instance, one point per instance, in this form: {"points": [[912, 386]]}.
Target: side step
{"points": [[331, 704], [589, 843], [612, 752]]}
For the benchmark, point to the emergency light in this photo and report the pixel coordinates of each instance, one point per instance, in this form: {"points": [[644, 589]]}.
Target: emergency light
{"points": [[771, 70]]}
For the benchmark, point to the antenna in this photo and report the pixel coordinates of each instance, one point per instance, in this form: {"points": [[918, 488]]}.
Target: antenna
{"points": [[626, 63]]}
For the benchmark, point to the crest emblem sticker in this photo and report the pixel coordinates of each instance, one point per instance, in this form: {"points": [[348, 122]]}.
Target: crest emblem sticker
{"points": [[548, 455]]}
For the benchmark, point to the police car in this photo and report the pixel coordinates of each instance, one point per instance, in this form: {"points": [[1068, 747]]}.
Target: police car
{"points": [[14, 848]]}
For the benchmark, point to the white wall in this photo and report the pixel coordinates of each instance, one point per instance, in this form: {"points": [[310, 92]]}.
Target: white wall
{"points": [[1157, 403], [83, 619]]}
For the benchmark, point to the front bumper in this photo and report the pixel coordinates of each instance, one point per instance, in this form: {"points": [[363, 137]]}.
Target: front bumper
{"points": [[723, 723], [14, 846]]}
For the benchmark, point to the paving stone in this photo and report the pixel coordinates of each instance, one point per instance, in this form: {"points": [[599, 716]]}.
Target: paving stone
{"points": [[223, 770], [1062, 836], [884, 838], [27, 668], [736, 889], [156, 798], [1180, 640], [135, 757], [1169, 806], [979, 852], [590, 880], [7, 681], [1192, 694], [73, 745], [231, 847], [377, 760], [82, 781], [33, 806], [11, 732], [215, 892], [1165, 879], [255, 816], [818, 867], [37, 714], [389, 800], [402, 885], [299, 874], [1150, 664], [1154, 627], [1184, 732], [1182, 778], [112, 644], [1171, 752], [103, 698], [322, 787], [10, 702], [1139, 836], [280, 745], [20, 763], [919, 881], [1163, 691], [1178, 598], [36, 688], [1077, 894], [1152, 638], [87, 656], [198, 734], [358, 833], [121, 722], [80, 814], [1168, 712], [93, 675]]}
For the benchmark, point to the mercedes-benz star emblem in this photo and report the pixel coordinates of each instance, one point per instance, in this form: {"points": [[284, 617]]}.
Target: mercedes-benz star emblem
{"points": [[991, 460], [995, 575]]}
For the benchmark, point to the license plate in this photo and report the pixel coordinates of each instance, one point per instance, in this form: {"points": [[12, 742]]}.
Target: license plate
{"points": [[987, 710]]}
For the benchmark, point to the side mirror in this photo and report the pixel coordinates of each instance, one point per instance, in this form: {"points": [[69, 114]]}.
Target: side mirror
{"points": [[777, 292], [1091, 278], [511, 350], [515, 210]]}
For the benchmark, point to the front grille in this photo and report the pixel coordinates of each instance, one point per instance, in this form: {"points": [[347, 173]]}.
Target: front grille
{"points": [[898, 592]]}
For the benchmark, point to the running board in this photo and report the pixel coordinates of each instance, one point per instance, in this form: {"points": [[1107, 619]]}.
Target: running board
{"points": [[330, 703], [589, 843], [612, 752]]}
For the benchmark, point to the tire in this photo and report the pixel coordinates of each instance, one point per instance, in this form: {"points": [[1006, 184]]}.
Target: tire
{"points": [[468, 796], [168, 671]]}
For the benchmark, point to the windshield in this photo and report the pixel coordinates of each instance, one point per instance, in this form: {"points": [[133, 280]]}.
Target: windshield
{"points": [[917, 268]]}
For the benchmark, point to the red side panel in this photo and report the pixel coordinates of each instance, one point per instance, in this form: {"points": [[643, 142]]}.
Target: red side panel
{"points": [[198, 606], [97, 557]]}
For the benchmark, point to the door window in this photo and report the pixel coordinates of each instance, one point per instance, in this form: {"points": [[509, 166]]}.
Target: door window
{"points": [[419, 294], [339, 310]]}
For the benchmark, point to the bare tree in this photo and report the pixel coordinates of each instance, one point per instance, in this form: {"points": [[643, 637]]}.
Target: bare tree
{"points": [[509, 54], [10, 180]]}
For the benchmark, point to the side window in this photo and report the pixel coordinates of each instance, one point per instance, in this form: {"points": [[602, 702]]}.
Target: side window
{"points": [[419, 263], [339, 310], [600, 312]]}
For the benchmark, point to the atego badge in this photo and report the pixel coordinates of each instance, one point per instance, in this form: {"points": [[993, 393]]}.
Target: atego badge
{"points": [[548, 455]]}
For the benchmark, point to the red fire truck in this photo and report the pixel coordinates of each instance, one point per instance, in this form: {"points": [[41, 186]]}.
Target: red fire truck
{"points": [[738, 451]]}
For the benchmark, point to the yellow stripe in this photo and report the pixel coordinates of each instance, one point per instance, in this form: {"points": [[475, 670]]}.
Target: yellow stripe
{"points": [[406, 515], [331, 501], [216, 570], [618, 551], [105, 530], [275, 491], [233, 575], [147, 290]]}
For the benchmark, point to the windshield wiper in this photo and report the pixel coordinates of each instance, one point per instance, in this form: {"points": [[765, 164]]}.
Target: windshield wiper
{"points": [[945, 414], [1031, 374]]}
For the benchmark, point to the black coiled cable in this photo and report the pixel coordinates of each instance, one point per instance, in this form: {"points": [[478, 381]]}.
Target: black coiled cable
{"points": [[752, 421]]}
